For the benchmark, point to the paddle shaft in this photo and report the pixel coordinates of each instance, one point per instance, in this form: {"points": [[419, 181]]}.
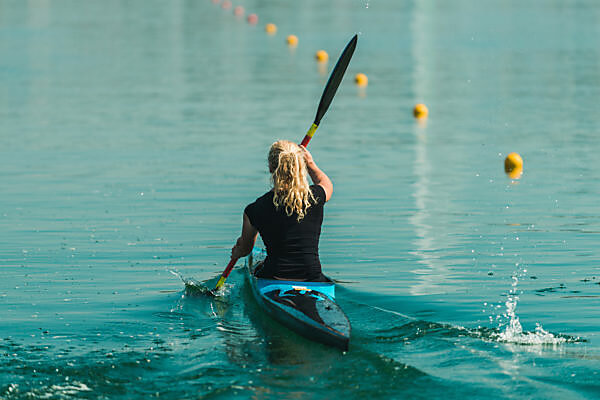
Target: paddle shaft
{"points": [[226, 273], [331, 87]]}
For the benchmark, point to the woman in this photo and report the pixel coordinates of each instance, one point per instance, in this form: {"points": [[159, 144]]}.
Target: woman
{"points": [[288, 217]]}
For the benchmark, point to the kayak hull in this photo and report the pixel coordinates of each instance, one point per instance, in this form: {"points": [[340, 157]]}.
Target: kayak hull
{"points": [[307, 308]]}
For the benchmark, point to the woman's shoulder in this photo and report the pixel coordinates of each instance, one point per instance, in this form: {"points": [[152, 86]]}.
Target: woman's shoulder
{"points": [[259, 208], [266, 198], [319, 192]]}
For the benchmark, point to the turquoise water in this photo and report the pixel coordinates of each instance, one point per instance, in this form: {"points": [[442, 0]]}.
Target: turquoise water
{"points": [[133, 134]]}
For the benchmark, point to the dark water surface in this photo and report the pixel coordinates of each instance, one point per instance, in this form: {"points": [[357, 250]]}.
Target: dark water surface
{"points": [[132, 134]]}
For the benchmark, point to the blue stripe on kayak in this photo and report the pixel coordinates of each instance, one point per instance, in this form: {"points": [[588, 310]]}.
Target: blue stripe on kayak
{"points": [[268, 285]]}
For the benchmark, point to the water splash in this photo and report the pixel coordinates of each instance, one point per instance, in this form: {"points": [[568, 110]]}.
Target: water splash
{"points": [[405, 329], [194, 287], [513, 331]]}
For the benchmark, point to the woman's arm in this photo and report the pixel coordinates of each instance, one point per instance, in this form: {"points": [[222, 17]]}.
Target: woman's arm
{"points": [[245, 242], [318, 177]]}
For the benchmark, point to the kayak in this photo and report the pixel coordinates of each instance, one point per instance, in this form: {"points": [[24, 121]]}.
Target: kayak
{"points": [[307, 308]]}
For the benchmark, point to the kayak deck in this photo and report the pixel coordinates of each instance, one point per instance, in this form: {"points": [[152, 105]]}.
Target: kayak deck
{"points": [[307, 308]]}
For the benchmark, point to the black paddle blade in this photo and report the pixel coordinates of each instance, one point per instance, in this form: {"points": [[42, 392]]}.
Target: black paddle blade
{"points": [[335, 79]]}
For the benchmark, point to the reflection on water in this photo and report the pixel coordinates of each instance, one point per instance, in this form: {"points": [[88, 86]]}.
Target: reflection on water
{"points": [[433, 274]]}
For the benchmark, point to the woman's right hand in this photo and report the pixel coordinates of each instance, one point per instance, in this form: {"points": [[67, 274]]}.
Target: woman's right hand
{"points": [[318, 177], [307, 156]]}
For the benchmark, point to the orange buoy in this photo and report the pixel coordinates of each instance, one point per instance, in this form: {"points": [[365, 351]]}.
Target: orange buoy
{"points": [[226, 5], [238, 11], [252, 19]]}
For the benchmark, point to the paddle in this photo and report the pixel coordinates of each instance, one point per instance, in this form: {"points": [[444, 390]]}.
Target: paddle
{"points": [[332, 85], [225, 274]]}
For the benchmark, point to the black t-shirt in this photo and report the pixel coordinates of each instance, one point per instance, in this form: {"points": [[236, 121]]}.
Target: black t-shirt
{"points": [[292, 246]]}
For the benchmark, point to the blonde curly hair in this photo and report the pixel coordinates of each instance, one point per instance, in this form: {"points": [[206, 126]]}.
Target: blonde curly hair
{"points": [[288, 175]]}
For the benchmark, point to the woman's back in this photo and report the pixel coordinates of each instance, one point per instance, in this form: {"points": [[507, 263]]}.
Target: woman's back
{"points": [[289, 217], [292, 245]]}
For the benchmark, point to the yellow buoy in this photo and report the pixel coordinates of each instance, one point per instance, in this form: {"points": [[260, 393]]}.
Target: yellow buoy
{"points": [[361, 79], [513, 165], [270, 28], [420, 111], [322, 56], [292, 40]]}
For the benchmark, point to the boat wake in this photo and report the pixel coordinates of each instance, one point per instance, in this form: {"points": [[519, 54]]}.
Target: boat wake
{"points": [[403, 329], [510, 332], [418, 329]]}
